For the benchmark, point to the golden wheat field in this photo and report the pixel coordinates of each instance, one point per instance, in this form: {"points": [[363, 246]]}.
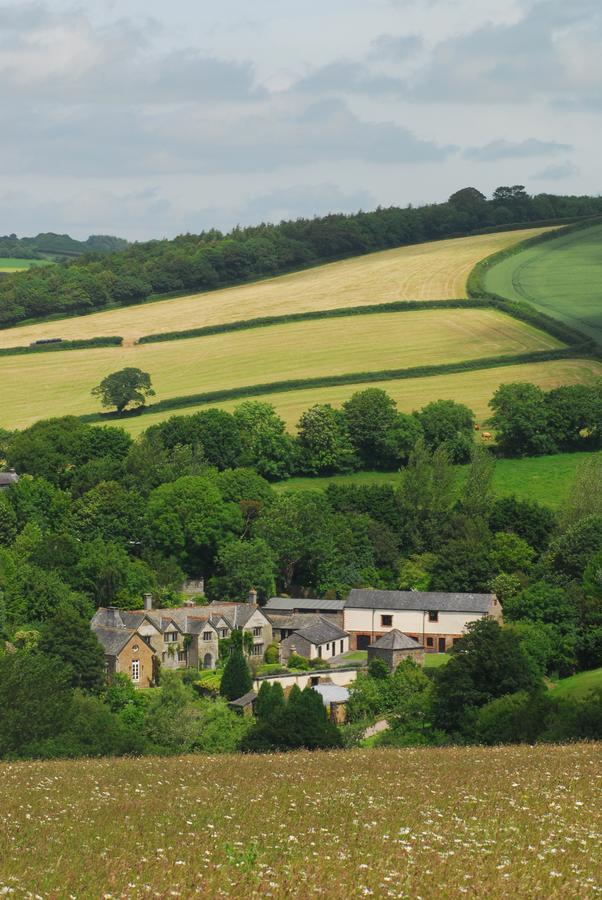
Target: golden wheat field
{"points": [[420, 823], [53, 384], [432, 271], [475, 389]]}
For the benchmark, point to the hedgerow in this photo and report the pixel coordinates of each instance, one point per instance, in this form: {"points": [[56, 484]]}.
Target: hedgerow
{"points": [[113, 341]]}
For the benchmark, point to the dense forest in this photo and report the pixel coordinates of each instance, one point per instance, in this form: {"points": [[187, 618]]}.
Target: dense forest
{"points": [[212, 259]]}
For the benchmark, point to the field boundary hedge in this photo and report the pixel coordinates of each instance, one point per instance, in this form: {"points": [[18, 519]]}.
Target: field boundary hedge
{"points": [[81, 344], [490, 362], [287, 318]]}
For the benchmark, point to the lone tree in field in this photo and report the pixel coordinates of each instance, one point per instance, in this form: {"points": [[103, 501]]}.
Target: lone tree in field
{"points": [[121, 388]]}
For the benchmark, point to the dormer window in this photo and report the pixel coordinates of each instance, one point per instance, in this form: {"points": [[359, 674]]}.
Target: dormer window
{"points": [[207, 635], [433, 615]]}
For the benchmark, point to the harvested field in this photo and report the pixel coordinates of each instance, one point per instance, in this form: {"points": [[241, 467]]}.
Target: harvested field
{"points": [[495, 823], [54, 384], [432, 271], [473, 388]]}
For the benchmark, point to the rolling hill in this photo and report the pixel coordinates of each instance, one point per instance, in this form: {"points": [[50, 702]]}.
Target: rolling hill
{"points": [[561, 277]]}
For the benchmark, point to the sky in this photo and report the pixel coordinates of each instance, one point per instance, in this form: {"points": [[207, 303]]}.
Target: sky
{"points": [[147, 118]]}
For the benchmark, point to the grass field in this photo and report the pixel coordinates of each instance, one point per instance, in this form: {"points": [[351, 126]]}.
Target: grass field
{"points": [[579, 685], [473, 388], [421, 823], [10, 264], [433, 271], [50, 384], [546, 479], [561, 277]]}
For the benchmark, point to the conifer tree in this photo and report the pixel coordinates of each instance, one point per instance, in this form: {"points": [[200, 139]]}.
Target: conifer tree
{"points": [[236, 679], [67, 636]]}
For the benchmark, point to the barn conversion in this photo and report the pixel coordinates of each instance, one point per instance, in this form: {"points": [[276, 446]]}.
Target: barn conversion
{"points": [[435, 620]]}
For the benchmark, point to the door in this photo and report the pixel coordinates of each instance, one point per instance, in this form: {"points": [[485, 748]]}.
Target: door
{"points": [[441, 645], [208, 661], [363, 641]]}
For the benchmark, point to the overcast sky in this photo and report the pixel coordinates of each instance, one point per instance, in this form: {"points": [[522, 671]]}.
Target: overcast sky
{"points": [[146, 118]]}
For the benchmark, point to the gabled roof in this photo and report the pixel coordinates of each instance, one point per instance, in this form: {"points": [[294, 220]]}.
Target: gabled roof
{"points": [[396, 640], [113, 640], [320, 632], [290, 604], [236, 614], [419, 600]]}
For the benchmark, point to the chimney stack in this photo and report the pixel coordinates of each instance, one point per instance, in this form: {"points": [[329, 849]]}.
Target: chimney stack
{"points": [[113, 617], [252, 598], [148, 601]]}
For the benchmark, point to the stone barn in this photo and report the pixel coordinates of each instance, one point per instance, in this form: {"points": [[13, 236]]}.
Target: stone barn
{"points": [[394, 647]]}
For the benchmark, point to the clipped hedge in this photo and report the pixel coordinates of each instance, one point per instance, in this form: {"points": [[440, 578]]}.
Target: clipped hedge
{"points": [[284, 319], [490, 362], [63, 345]]}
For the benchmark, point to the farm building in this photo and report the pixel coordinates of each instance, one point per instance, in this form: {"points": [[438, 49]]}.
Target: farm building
{"points": [[7, 479], [286, 607], [435, 620], [394, 647], [320, 640]]}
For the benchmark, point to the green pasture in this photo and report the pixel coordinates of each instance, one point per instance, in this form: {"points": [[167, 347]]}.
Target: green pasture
{"points": [[578, 685], [545, 479], [12, 264], [51, 384], [561, 277]]}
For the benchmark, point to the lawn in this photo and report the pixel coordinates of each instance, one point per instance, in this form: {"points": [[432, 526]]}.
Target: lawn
{"points": [[545, 479], [431, 823], [54, 384], [578, 685], [561, 277], [434, 271], [435, 660], [11, 264]]}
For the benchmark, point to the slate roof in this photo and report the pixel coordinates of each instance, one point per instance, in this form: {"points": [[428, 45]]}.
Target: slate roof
{"points": [[238, 614], [290, 604], [294, 622], [396, 640], [419, 600], [113, 640], [320, 633], [245, 700]]}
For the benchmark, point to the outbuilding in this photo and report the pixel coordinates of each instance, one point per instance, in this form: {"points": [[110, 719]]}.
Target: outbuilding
{"points": [[321, 640], [394, 647]]}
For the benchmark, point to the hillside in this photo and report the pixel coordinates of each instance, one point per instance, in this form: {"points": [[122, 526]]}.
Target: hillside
{"points": [[60, 383], [520, 821], [432, 271], [56, 246], [562, 277]]}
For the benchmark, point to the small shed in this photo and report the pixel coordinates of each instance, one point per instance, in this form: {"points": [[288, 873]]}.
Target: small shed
{"points": [[244, 705], [394, 647], [7, 479], [334, 698]]}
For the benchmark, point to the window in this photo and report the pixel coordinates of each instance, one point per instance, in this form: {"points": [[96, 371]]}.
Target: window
{"points": [[257, 650], [257, 632], [342, 646], [387, 621], [170, 637], [320, 652], [135, 648], [433, 615], [182, 656], [429, 642], [207, 635], [223, 632], [135, 670]]}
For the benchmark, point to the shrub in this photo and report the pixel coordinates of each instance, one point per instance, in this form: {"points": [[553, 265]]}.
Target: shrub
{"points": [[297, 662], [272, 654]]}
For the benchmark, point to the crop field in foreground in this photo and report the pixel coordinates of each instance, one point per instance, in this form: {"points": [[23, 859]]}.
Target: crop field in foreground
{"points": [[54, 384], [473, 388], [545, 479], [562, 277], [430, 823], [434, 271]]}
